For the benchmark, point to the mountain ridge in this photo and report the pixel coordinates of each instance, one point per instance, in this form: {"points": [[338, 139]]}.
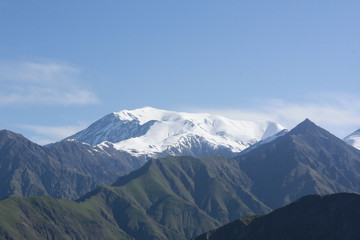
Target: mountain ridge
{"points": [[306, 160], [62, 170], [182, 197], [158, 133]]}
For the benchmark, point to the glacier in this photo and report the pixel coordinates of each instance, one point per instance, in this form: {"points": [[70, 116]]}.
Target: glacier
{"points": [[155, 133]]}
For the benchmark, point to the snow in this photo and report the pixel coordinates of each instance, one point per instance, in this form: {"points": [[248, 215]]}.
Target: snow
{"points": [[172, 128], [104, 145], [143, 115], [354, 139], [150, 131]]}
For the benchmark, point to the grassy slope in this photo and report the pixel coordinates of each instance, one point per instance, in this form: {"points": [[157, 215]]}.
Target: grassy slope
{"points": [[47, 218], [178, 198], [172, 198]]}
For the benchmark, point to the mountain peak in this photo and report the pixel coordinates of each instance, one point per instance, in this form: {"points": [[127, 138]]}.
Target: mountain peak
{"points": [[305, 126], [156, 133], [142, 115], [307, 122], [6, 134]]}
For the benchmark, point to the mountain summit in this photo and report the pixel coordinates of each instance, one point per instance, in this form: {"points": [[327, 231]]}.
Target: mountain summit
{"points": [[306, 160], [155, 133]]}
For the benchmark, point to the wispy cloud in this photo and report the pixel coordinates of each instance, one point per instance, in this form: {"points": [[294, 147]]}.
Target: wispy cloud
{"points": [[49, 134], [338, 113], [42, 83]]}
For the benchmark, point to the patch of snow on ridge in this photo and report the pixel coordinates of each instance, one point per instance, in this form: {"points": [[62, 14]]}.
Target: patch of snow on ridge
{"points": [[354, 139]]}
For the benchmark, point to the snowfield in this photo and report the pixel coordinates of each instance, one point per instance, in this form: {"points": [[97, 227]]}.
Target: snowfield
{"points": [[150, 131]]}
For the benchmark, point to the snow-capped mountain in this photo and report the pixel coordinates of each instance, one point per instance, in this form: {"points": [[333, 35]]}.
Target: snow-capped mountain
{"points": [[354, 139], [155, 133]]}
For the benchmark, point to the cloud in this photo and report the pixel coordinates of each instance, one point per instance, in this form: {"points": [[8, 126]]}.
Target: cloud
{"points": [[42, 83], [48, 134], [338, 113]]}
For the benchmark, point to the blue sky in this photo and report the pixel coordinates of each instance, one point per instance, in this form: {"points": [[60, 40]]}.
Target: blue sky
{"points": [[65, 64]]}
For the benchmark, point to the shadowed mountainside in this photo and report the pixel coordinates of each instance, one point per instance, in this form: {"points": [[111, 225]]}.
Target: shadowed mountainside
{"points": [[62, 170], [182, 197], [335, 217], [306, 160]]}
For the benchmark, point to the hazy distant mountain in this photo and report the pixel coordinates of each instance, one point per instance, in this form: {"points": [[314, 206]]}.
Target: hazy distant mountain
{"points": [[335, 217], [354, 139], [158, 133], [307, 160], [63, 170]]}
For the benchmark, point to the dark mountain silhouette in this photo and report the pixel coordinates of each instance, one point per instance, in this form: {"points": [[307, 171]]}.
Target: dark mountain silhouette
{"points": [[335, 217]]}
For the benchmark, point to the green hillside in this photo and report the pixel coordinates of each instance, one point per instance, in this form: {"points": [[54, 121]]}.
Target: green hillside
{"points": [[171, 198], [48, 218]]}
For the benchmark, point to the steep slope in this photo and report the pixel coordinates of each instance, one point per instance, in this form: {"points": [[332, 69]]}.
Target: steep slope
{"points": [[157, 133], [63, 170], [104, 166], [307, 160], [263, 141], [335, 217], [181, 197], [354, 139], [178, 198], [173, 198], [44, 218], [27, 169]]}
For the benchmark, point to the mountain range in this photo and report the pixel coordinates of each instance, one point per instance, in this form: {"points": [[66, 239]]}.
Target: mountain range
{"points": [[66, 169], [175, 197], [96, 155], [306, 160], [158, 133]]}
